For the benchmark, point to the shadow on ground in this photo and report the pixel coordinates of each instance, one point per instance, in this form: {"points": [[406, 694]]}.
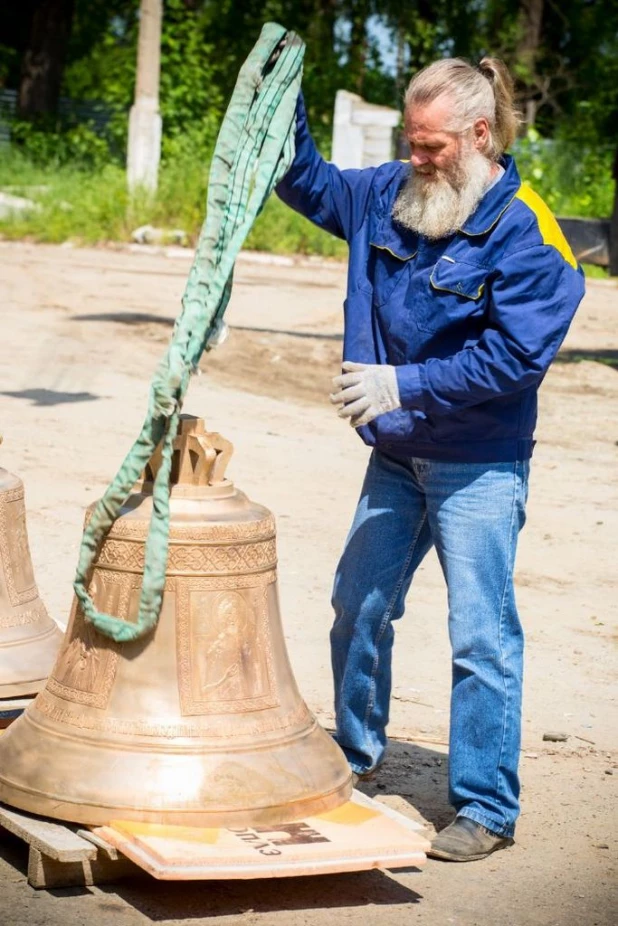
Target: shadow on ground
{"points": [[147, 318], [174, 900], [126, 318], [47, 397], [419, 776]]}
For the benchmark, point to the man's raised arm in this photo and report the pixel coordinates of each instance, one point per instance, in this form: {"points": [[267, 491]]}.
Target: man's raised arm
{"points": [[333, 199]]}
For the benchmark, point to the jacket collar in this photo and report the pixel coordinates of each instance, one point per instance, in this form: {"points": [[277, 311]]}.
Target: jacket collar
{"points": [[388, 235], [495, 201], [403, 243]]}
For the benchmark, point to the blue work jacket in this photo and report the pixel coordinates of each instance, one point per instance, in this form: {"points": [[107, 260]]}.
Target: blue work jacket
{"points": [[471, 322]]}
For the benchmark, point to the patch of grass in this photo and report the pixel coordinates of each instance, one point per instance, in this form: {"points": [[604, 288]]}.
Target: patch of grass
{"points": [[606, 356], [89, 207], [70, 204], [574, 180], [282, 231], [596, 273], [93, 206]]}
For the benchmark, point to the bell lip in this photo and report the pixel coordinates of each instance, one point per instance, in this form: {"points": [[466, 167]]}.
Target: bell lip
{"points": [[42, 650], [49, 628], [276, 814]]}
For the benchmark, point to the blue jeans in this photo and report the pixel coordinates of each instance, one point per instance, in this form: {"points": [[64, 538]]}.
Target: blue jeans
{"points": [[473, 513]]}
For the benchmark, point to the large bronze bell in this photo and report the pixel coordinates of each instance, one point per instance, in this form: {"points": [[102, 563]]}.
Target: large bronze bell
{"points": [[29, 638], [201, 721]]}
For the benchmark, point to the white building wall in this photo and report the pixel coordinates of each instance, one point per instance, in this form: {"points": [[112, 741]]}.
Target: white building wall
{"points": [[362, 132]]}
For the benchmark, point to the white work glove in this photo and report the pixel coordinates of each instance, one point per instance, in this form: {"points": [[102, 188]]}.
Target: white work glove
{"points": [[365, 391]]}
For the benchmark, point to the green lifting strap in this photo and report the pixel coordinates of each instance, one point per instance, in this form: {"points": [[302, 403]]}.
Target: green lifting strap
{"points": [[254, 150]]}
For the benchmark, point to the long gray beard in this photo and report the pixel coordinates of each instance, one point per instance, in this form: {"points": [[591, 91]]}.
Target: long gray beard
{"points": [[437, 208]]}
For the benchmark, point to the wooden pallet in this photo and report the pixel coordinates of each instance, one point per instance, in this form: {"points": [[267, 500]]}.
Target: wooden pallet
{"points": [[360, 835], [63, 856]]}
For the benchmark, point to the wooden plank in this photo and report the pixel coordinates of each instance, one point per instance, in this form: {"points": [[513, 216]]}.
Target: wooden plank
{"points": [[105, 848], [45, 872], [52, 839], [361, 834]]}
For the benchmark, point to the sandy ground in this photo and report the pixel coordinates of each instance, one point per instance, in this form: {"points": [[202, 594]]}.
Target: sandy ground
{"points": [[81, 331]]}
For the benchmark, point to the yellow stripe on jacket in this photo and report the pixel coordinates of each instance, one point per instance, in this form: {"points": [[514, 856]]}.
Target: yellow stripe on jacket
{"points": [[551, 233]]}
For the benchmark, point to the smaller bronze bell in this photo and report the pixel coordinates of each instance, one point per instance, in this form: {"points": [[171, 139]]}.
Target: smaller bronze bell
{"points": [[29, 638]]}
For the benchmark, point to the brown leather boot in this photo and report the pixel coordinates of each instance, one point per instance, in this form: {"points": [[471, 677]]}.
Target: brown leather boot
{"points": [[466, 841]]}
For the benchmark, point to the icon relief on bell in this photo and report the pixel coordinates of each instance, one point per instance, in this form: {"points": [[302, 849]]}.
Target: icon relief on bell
{"points": [[225, 650], [14, 548], [230, 664], [86, 667], [82, 661], [22, 564]]}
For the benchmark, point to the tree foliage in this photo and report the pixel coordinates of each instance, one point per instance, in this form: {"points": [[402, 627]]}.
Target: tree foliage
{"points": [[564, 55]]}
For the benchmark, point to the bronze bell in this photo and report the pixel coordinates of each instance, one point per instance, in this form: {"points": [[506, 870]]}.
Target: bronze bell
{"points": [[29, 638], [200, 722]]}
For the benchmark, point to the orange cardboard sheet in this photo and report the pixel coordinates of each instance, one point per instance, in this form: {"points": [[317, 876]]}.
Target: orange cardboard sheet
{"points": [[359, 835]]}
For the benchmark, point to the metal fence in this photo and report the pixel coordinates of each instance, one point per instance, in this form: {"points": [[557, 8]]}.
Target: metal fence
{"points": [[96, 115]]}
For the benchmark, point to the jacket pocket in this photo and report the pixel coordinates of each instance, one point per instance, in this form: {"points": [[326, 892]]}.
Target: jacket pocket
{"points": [[390, 270], [457, 292], [392, 428]]}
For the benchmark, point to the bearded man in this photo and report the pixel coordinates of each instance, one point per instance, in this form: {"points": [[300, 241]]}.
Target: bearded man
{"points": [[461, 288]]}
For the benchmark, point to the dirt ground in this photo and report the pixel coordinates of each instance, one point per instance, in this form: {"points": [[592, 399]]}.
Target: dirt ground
{"points": [[81, 331]]}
